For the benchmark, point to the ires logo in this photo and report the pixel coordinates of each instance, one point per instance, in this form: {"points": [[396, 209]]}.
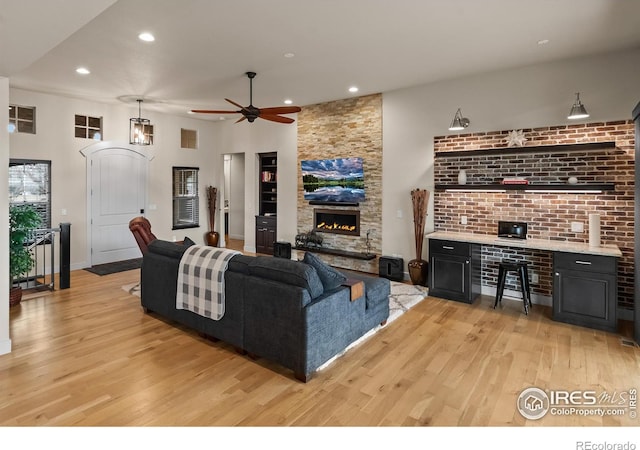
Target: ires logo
{"points": [[573, 398], [533, 403]]}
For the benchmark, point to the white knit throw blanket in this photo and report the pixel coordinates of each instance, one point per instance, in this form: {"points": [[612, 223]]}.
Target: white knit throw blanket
{"points": [[201, 280]]}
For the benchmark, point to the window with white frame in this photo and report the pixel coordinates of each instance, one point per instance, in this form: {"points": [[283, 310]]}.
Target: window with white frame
{"points": [[30, 184], [185, 198], [22, 119]]}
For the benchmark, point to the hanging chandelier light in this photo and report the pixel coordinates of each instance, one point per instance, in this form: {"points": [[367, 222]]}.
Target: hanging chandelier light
{"points": [[139, 128]]}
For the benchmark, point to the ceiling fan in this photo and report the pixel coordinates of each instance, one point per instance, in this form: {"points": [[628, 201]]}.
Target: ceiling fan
{"points": [[251, 113]]}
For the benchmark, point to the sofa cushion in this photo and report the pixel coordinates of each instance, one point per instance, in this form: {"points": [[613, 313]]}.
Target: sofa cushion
{"points": [[166, 248], [240, 264], [329, 276], [187, 242], [287, 271], [377, 289]]}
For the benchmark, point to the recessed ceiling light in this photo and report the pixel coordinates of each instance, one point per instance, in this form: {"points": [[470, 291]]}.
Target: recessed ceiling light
{"points": [[353, 89], [289, 55], [288, 101], [83, 71], [147, 37], [543, 41]]}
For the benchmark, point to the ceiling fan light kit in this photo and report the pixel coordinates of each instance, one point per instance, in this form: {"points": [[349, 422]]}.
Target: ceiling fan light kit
{"points": [[251, 113]]}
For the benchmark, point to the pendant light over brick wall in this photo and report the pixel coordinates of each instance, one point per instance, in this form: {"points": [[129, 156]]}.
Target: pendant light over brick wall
{"points": [[459, 123], [578, 111]]}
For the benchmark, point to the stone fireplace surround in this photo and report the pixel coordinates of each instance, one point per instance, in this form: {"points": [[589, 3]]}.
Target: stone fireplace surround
{"points": [[345, 128]]}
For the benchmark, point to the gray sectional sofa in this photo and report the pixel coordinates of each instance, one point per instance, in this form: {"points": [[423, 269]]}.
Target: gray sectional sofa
{"points": [[290, 312]]}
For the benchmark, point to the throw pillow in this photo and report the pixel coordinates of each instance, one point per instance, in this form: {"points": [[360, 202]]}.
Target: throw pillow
{"points": [[330, 277], [188, 242]]}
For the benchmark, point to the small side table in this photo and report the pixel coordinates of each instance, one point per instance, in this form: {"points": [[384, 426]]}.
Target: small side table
{"points": [[356, 287]]}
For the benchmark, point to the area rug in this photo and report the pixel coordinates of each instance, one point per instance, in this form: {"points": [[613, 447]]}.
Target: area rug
{"points": [[115, 267], [403, 297], [133, 289]]}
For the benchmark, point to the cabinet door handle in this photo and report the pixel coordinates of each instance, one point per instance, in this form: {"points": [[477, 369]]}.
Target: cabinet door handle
{"points": [[586, 263], [446, 247]]}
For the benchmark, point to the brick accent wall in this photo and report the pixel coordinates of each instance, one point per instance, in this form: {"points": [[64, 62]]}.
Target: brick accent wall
{"points": [[549, 215], [339, 129]]}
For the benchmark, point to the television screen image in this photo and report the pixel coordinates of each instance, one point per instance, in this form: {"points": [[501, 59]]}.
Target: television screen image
{"points": [[339, 180]]}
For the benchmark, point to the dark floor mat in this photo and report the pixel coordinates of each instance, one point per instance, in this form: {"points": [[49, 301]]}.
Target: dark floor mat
{"points": [[115, 267]]}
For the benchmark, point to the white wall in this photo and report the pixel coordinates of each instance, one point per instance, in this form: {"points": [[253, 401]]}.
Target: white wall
{"points": [[261, 137], [528, 97], [5, 341], [54, 140]]}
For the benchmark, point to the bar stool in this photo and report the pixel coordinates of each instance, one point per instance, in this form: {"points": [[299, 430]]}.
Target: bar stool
{"points": [[520, 267]]}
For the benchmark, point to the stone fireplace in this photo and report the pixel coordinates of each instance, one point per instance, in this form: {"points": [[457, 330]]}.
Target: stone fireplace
{"points": [[337, 221], [345, 128]]}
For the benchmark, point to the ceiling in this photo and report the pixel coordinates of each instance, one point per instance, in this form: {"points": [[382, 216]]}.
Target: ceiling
{"points": [[203, 48]]}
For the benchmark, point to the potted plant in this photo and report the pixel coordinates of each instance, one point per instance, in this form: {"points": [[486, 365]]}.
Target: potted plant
{"points": [[212, 236], [23, 219]]}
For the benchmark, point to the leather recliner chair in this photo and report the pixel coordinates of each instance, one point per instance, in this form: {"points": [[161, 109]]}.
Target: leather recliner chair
{"points": [[141, 229]]}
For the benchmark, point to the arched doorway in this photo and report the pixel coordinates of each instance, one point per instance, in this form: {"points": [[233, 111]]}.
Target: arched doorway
{"points": [[116, 193]]}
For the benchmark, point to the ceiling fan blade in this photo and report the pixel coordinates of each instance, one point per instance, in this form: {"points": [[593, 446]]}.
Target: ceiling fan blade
{"points": [[241, 119], [275, 118], [212, 111], [234, 103], [281, 110]]}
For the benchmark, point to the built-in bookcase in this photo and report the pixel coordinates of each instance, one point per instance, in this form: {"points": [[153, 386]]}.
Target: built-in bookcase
{"points": [[268, 184]]}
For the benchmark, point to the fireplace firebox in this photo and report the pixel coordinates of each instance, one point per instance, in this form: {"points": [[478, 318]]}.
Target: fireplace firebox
{"points": [[337, 221]]}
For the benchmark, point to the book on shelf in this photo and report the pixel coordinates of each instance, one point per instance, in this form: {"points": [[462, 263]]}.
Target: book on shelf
{"points": [[514, 180]]}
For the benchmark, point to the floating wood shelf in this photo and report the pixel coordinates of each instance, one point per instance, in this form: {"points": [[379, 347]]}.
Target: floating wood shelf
{"points": [[528, 187], [336, 252], [587, 147]]}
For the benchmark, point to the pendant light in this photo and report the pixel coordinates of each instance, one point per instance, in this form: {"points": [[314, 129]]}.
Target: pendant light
{"points": [[578, 111], [459, 123], [139, 128]]}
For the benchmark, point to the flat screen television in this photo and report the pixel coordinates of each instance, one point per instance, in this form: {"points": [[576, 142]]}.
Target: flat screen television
{"points": [[339, 180]]}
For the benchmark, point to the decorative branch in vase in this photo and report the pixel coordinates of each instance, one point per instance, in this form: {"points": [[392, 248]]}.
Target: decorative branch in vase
{"points": [[418, 267], [212, 236]]}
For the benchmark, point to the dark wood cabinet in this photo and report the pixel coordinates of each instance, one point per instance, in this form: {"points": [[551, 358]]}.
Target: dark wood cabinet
{"points": [[454, 270], [265, 234], [585, 290]]}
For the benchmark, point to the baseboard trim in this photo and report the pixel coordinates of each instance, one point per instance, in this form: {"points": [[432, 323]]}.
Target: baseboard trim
{"points": [[5, 347]]}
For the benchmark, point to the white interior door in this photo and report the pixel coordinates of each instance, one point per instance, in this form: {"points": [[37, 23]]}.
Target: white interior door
{"points": [[118, 194]]}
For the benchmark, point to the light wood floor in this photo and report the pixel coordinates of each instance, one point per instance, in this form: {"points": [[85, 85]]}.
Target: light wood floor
{"points": [[88, 355]]}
